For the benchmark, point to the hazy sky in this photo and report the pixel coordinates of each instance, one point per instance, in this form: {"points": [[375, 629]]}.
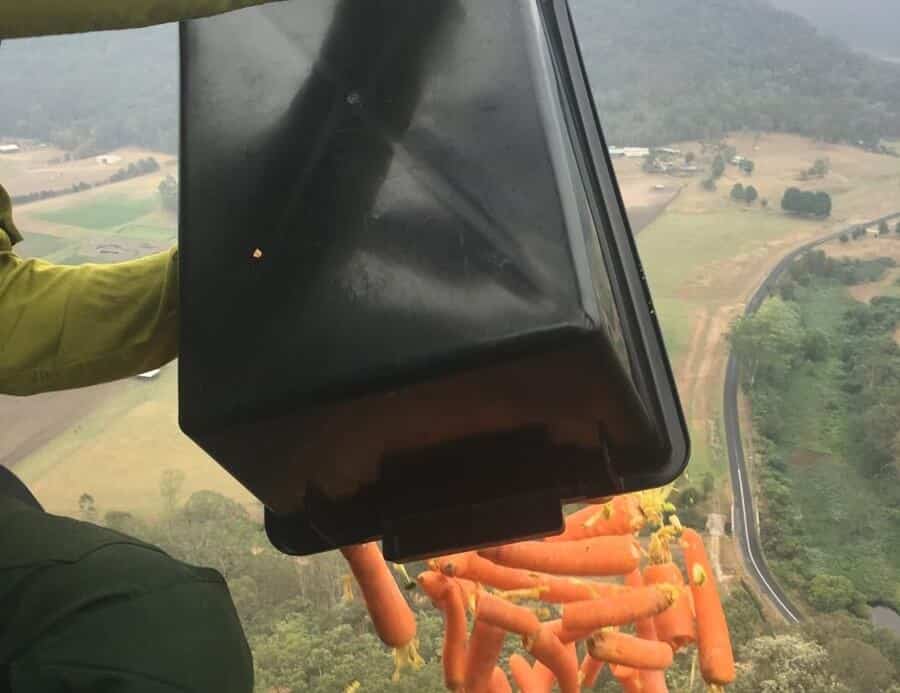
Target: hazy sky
{"points": [[869, 25]]}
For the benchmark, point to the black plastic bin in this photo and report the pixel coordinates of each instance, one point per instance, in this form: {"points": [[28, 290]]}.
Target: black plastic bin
{"points": [[411, 305]]}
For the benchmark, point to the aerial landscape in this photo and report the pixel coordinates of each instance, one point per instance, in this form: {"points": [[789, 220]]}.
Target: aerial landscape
{"points": [[758, 157]]}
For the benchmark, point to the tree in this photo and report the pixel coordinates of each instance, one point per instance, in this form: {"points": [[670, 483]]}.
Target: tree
{"points": [[689, 158], [883, 229], [844, 238], [87, 508], [709, 184], [829, 593], [750, 194], [859, 665], [170, 486], [748, 167], [764, 202], [718, 167], [815, 346], [768, 342], [805, 202], [168, 192], [737, 192], [785, 664], [820, 168], [897, 228]]}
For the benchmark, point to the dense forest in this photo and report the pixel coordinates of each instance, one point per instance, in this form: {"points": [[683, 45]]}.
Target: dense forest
{"points": [[823, 372], [308, 637], [668, 70], [662, 71], [867, 25]]}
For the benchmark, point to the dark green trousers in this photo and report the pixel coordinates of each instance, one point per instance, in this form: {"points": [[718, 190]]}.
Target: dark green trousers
{"points": [[83, 608]]}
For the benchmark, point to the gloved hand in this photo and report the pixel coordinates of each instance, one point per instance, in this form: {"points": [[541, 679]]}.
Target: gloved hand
{"points": [[6, 217]]}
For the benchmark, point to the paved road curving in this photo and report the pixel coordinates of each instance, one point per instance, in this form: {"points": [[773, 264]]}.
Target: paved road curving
{"points": [[744, 526]]}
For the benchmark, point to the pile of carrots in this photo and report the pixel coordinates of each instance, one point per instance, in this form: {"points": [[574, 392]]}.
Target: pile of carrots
{"points": [[510, 590]]}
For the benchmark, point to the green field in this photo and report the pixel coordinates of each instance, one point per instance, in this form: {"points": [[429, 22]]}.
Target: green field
{"points": [[146, 232], [103, 213], [40, 245]]}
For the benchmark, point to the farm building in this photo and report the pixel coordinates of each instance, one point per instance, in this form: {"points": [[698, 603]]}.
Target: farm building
{"points": [[9, 148], [872, 232]]}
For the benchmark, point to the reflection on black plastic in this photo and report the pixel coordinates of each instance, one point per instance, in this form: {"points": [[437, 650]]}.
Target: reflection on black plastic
{"points": [[397, 317]]}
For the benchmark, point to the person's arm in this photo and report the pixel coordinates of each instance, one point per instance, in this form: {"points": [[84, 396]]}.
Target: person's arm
{"points": [[63, 327], [46, 17]]}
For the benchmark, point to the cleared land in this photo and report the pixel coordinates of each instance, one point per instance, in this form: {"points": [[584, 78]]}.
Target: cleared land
{"points": [[703, 253]]}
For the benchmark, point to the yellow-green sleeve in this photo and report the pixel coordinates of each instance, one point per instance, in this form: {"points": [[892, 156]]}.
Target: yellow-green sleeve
{"points": [[20, 18], [63, 327]]}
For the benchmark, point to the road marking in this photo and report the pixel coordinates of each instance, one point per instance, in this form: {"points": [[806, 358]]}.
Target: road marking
{"points": [[750, 551]]}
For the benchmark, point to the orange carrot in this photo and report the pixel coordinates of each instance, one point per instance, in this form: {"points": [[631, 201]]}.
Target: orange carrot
{"points": [[628, 678], [611, 646], [470, 591], [644, 626], [553, 589], [435, 585], [455, 638], [499, 682], [652, 681], [485, 645], [713, 640], [547, 649], [621, 515], [616, 555], [501, 613], [566, 635], [675, 625], [544, 677], [394, 621], [626, 608], [590, 670], [524, 675]]}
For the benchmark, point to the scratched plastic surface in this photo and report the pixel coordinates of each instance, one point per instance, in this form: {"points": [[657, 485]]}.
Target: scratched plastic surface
{"points": [[377, 195]]}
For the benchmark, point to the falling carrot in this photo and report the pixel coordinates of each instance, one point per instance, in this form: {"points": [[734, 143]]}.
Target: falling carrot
{"points": [[614, 647], [621, 515], [713, 640], [590, 670], [503, 614], [485, 645], [499, 682], [524, 675], [391, 616], [544, 677], [628, 607], [616, 555], [653, 681], [628, 678], [553, 589], [675, 625], [547, 649], [435, 585], [567, 635], [447, 595], [470, 591]]}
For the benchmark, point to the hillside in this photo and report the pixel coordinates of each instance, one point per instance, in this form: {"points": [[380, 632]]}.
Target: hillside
{"points": [[662, 71], [866, 25], [94, 92], [667, 70]]}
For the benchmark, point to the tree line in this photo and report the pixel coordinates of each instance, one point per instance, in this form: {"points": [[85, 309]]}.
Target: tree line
{"points": [[142, 167]]}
